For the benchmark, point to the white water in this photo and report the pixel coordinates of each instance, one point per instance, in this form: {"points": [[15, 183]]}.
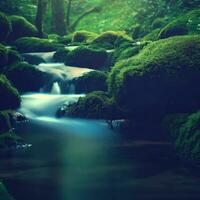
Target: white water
{"points": [[55, 88], [46, 56]]}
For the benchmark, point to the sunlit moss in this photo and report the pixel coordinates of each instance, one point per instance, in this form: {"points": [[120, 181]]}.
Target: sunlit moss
{"points": [[84, 37]]}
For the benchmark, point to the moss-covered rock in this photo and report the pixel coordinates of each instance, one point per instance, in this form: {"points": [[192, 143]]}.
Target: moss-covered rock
{"points": [[61, 55], [3, 57], [5, 121], [185, 130], [87, 57], [92, 81], [96, 105], [32, 44], [25, 77], [127, 50], [33, 59], [5, 27], [162, 78], [183, 25], [84, 37], [109, 39], [13, 57], [67, 39], [152, 36], [158, 23], [21, 28], [10, 98]]}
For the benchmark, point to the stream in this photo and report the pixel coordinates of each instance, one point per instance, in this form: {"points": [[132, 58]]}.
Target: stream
{"points": [[79, 159]]}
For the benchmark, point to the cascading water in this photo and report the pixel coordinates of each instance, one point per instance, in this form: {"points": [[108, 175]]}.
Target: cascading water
{"points": [[55, 88]]}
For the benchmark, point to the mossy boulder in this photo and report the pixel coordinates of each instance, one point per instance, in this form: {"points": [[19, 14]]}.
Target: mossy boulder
{"points": [[66, 40], [61, 55], [13, 57], [87, 57], [161, 79], [127, 50], [5, 27], [110, 39], [21, 28], [33, 44], [3, 57], [10, 98], [84, 37], [92, 81], [25, 77], [185, 130], [183, 25], [96, 105]]}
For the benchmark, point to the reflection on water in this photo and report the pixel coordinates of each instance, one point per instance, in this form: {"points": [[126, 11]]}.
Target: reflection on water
{"points": [[74, 159]]}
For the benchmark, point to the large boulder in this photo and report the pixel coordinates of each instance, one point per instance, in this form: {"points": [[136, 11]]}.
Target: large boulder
{"points": [[161, 79], [5, 27], [185, 130], [183, 25], [21, 28], [87, 57], [10, 98], [110, 39], [25, 77], [33, 44], [92, 81]]}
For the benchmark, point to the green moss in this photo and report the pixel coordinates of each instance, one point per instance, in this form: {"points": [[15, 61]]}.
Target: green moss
{"points": [[3, 57], [152, 36], [67, 39], [92, 81], [84, 37], [161, 78], [21, 28], [10, 98], [186, 133], [95, 105], [158, 23], [13, 57], [4, 194], [183, 25], [127, 50], [25, 77], [87, 57], [108, 39], [5, 27], [61, 55], [32, 44]]}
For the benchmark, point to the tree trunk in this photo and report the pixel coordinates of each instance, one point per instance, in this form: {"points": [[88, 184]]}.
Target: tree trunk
{"points": [[41, 9], [58, 12]]}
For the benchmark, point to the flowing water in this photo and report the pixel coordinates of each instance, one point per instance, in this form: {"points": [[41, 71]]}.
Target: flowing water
{"points": [[76, 159]]}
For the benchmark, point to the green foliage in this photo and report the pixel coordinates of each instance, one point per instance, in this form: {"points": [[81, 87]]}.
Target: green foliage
{"points": [[84, 37], [32, 44], [92, 81], [109, 39], [3, 193], [183, 25], [87, 57], [10, 98], [5, 27], [96, 105], [160, 79], [186, 132], [25, 77], [61, 55], [3, 57], [21, 28]]}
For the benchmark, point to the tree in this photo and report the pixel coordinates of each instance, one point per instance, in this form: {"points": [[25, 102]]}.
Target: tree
{"points": [[41, 9], [58, 12], [71, 26]]}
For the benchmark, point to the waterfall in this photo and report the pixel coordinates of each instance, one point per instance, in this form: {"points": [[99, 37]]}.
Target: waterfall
{"points": [[55, 88]]}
